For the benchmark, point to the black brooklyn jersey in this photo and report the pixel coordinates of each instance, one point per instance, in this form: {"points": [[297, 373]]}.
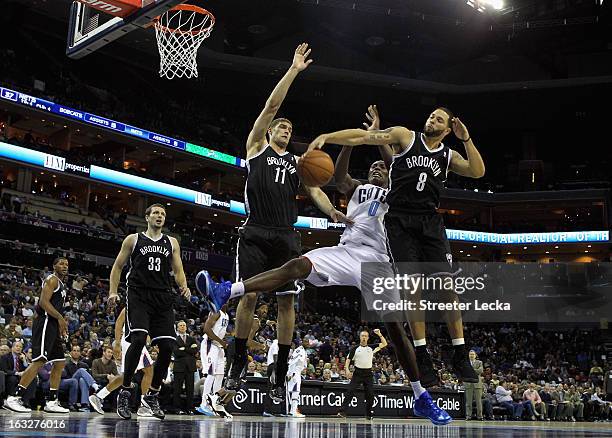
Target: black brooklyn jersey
{"points": [[58, 297], [417, 177], [270, 190], [150, 263]]}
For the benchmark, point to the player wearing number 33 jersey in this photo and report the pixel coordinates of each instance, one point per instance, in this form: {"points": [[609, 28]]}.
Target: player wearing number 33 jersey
{"points": [[149, 287]]}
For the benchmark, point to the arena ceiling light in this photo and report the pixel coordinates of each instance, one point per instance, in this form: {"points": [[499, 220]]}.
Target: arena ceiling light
{"points": [[483, 5]]}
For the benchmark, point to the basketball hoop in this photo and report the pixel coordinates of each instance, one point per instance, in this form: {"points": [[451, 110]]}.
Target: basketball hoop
{"points": [[180, 32]]}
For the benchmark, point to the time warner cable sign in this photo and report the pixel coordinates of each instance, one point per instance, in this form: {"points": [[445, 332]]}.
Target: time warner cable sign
{"points": [[318, 398]]}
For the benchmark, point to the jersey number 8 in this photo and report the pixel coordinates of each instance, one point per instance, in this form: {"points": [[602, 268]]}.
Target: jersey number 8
{"points": [[421, 184], [154, 264]]}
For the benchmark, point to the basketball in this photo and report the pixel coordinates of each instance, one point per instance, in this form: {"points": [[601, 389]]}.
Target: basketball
{"points": [[315, 168]]}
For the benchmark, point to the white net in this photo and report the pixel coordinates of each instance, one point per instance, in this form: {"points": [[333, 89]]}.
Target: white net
{"points": [[180, 32]]}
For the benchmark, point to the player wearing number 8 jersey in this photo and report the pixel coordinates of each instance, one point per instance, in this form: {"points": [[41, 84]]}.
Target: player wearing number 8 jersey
{"points": [[152, 257], [415, 231]]}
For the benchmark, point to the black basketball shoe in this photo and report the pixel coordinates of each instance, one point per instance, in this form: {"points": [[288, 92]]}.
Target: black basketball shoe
{"points": [[427, 372], [123, 404]]}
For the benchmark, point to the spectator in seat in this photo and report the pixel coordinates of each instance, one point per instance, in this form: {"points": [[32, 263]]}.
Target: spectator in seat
{"points": [[4, 349], [13, 363], [564, 408], [547, 399], [104, 368], [538, 406], [252, 370], [601, 408], [27, 331], [78, 370], [71, 386], [504, 398], [575, 399]]}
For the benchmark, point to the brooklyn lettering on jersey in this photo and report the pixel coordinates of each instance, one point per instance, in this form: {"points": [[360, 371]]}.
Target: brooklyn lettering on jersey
{"points": [[423, 161], [155, 248], [277, 161]]}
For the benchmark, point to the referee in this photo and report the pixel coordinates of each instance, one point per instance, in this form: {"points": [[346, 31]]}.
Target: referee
{"points": [[362, 356]]}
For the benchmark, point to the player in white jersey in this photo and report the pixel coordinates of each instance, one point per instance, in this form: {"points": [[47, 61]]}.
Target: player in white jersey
{"points": [[212, 354], [145, 364], [362, 241], [297, 362]]}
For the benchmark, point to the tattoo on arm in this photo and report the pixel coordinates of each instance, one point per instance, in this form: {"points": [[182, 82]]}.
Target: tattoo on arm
{"points": [[380, 136]]}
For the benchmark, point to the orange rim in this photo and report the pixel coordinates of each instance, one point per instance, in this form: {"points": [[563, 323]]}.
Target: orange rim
{"points": [[191, 8]]}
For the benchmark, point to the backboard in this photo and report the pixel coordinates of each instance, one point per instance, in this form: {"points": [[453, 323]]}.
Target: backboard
{"points": [[95, 23]]}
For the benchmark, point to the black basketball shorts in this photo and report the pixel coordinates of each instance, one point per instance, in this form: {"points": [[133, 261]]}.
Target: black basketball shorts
{"points": [[150, 311], [420, 239], [260, 249], [47, 343]]}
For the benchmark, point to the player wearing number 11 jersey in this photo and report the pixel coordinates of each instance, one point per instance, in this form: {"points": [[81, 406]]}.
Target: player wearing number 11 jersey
{"points": [[152, 256], [268, 239]]}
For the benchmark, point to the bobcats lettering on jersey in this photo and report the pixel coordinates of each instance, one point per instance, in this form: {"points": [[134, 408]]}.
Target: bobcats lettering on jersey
{"points": [[367, 208], [369, 192]]}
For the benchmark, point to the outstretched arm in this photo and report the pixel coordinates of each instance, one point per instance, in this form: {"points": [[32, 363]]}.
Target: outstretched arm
{"points": [[353, 137], [474, 166], [321, 200], [257, 136]]}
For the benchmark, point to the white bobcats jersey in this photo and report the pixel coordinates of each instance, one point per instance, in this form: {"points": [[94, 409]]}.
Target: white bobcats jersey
{"points": [[220, 327], [297, 361], [367, 208]]}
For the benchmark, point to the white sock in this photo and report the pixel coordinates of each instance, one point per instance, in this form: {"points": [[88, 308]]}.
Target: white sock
{"points": [[103, 393], [208, 385], [218, 383], [458, 341], [417, 389], [237, 290], [420, 342], [95, 386], [294, 406]]}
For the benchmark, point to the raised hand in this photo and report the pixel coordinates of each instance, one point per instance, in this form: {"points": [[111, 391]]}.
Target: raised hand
{"points": [[300, 58], [373, 119], [460, 129]]}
